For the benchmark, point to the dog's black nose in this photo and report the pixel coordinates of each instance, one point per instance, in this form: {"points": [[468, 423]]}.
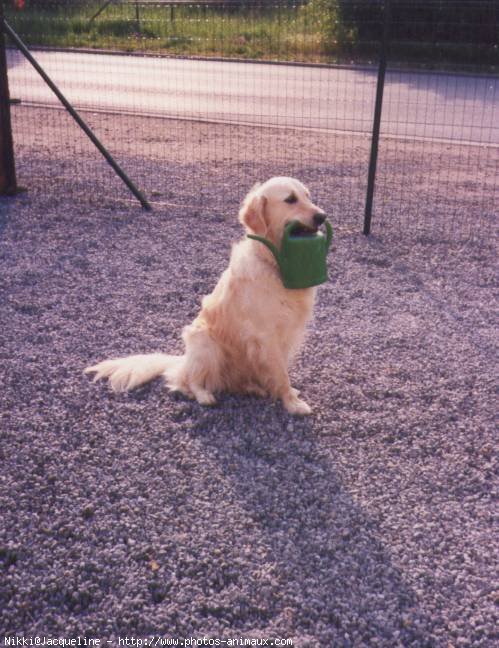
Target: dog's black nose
{"points": [[318, 219]]}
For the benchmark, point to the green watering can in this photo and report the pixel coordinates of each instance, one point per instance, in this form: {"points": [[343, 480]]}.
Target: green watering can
{"points": [[302, 257]]}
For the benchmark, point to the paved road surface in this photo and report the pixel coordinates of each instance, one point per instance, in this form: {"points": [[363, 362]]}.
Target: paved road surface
{"points": [[446, 106]]}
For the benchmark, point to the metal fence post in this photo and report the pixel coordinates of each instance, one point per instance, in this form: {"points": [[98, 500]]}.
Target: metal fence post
{"points": [[88, 132], [371, 178], [8, 183], [100, 10], [137, 16]]}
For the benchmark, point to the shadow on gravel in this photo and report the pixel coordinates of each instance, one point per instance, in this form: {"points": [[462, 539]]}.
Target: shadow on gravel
{"points": [[7, 206], [332, 577]]}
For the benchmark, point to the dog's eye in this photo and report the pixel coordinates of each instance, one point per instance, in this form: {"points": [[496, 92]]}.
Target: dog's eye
{"points": [[291, 199]]}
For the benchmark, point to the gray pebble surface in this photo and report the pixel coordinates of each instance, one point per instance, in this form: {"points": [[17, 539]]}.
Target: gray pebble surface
{"points": [[370, 523]]}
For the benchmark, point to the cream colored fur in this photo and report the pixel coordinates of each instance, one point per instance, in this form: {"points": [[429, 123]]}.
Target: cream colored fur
{"points": [[249, 327]]}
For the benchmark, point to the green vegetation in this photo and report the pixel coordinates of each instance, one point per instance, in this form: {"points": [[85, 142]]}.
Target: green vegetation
{"points": [[267, 32], [319, 31]]}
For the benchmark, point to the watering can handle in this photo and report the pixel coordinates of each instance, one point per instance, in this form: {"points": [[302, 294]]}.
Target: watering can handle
{"points": [[270, 245], [329, 234]]}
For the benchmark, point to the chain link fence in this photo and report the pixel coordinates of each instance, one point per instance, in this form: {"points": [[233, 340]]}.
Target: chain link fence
{"points": [[199, 100]]}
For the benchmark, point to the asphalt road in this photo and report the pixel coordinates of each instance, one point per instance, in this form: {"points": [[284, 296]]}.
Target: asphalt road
{"points": [[461, 108]]}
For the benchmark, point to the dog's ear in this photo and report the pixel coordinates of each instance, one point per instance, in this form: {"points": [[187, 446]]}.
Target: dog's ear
{"points": [[252, 213]]}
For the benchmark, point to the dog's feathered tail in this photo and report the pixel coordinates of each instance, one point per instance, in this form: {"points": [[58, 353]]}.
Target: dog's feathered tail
{"points": [[130, 372]]}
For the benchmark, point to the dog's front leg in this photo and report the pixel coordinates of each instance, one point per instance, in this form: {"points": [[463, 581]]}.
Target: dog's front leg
{"points": [[288, 395], [295, 405]]}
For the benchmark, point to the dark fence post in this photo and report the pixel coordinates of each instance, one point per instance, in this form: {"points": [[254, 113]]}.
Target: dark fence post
{"points": [[8, 183], [371, 178], [89, 133], [137, 16], [99, 11]]}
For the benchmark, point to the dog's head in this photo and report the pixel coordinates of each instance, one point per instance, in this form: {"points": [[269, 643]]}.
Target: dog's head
{"points": [[269, 207]]}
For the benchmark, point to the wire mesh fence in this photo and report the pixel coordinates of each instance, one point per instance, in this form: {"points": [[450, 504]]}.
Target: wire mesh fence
{"points": [[199, 100]]}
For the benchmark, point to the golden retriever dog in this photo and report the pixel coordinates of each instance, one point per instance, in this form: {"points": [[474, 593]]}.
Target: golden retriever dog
{"points": [[250, 326]]}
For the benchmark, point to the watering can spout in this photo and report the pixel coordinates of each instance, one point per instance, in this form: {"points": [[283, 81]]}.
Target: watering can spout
{"points": [[329, 235], [268, 244]]}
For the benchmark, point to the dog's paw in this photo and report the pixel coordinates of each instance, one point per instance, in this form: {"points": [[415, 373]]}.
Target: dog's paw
{"points": [[297, 406], [203, 396]]}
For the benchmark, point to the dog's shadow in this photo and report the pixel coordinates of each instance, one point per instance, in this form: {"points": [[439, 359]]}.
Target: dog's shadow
{"points": [[334, 573]]}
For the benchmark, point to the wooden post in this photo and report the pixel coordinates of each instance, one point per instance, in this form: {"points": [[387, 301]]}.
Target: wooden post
{"points": [[8, 183]]}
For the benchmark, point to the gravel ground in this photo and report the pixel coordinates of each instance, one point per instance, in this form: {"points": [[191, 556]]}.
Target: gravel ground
{"points": [[425, 189], [368, 524]]}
